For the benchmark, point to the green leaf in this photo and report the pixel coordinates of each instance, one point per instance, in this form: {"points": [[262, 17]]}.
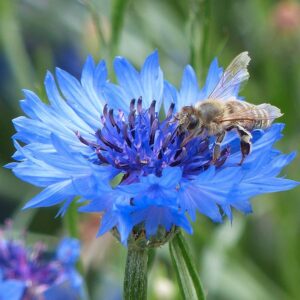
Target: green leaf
{"points": [[187, 276]]}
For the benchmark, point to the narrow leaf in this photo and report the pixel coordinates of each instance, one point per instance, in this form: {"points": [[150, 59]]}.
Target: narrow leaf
{"points": [[187, 276]]}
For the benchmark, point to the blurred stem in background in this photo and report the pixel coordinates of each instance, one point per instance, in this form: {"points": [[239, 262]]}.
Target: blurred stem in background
{"points": [[96, 17], [13, 45], [109, 46], [205, 5], [71, 225], [118, 10], [199, 20], [71, 220], [193, 26]]}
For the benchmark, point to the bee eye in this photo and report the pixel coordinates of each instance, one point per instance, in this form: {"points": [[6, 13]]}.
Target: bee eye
{"points": [[193, 122]]}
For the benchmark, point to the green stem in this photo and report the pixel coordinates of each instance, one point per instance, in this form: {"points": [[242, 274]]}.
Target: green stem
{"points": [[72, 220], [206, 27], [135, 280], [193, 28], [71, 224], [118, 10], [13, 45], [97, 21], [199, 30]]}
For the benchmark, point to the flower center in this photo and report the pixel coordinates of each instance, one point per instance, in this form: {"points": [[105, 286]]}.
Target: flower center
{"points": [[141, 144]]}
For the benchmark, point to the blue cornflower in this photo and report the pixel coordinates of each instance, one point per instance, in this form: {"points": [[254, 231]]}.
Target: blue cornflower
{"points": [[32, 273], [105, 143]]}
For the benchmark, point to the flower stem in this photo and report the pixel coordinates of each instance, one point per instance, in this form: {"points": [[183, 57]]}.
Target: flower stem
{"points": [[97, 21], [206, 27], [118, 10], [72, 220], [13, 45], [199, 32], [71, 225], [135, 280]]}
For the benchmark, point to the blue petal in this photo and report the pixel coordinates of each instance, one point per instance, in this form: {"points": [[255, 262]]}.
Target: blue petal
{"points": [[152, 80], [68, 251], [26, 127], [116, 97], [63, 209], [155, 216], [12, 289], [51, 195], [170, 96], [92, 80], [207, 191], [88, 109], [214, 74], [66, 290], [189, 92], [170, 177], [108, 221], [259, 177], [128, 78], [62, 108], [199, 198], [119, 218]]}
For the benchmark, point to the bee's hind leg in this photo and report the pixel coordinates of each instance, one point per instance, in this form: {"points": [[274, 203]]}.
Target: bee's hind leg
{"points": [[217, 146], [245, 137]]}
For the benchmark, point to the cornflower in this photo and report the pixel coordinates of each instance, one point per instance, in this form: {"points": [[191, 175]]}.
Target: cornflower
{"points": [[105, 146], [34, 273]]}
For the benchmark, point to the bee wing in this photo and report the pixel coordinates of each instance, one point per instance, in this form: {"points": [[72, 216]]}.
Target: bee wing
{"points": [[260, 112], [233, 76]]}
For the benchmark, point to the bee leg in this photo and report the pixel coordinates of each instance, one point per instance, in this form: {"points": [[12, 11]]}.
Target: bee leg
{"points": [[217, 146], [189, 138], [245, 137]]}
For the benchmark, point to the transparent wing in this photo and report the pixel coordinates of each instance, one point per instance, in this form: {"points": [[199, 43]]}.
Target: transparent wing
{"points": [[233, 76]]}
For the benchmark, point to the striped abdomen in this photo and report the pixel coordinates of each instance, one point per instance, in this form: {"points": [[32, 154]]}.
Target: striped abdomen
{"points": [[251, 116]]}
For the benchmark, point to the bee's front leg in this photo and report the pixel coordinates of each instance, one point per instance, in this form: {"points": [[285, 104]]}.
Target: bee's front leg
{"points": [[217, 146]]}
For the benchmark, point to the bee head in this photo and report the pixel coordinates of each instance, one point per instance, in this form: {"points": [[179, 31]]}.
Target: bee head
{"points": [[193, 122], [188, 118]]}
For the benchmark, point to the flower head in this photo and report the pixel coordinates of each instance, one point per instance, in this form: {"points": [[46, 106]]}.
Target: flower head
{"points": [[108, 144], [28, 273]]}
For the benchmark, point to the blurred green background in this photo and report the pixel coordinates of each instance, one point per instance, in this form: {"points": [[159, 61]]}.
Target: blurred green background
{"points": [[255, 257]]}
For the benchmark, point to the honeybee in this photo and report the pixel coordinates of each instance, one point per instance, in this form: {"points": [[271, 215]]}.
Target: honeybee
{"points": [[220, 113]]}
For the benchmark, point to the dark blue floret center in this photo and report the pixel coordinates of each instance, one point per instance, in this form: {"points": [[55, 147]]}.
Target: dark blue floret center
{"points": [[140, 144]]}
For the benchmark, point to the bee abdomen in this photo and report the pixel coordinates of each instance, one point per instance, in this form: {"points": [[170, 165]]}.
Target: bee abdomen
{"points": [[253, 116], [265, 115], [261, 118]]}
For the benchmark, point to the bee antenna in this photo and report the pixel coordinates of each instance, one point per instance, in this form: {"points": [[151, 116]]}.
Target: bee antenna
{"points": [[172, 121]]}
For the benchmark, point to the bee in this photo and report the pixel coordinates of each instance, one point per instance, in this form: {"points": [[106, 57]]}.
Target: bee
{"points": [[220, 112]]}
